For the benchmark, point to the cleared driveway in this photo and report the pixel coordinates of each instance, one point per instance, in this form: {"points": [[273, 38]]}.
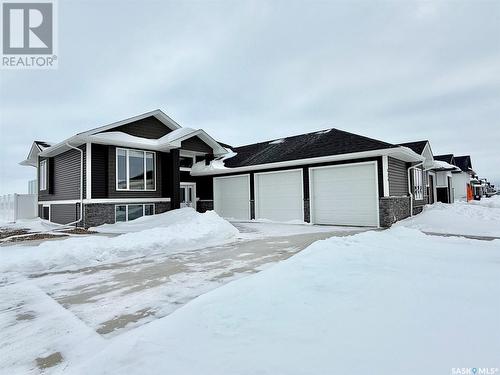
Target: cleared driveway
{"points": [[87, 305]]}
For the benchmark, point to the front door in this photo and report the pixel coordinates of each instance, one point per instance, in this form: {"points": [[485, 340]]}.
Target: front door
{"points": [[188, 195]]}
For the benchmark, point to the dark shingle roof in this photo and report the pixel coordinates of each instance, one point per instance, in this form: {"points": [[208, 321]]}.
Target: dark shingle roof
{"points": [[417, 146], [42, 144], [463, 162], [447, 158], [304, 146]]}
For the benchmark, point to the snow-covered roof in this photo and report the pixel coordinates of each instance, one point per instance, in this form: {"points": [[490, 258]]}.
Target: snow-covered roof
{"points": [[167, 142], [443, 166]]}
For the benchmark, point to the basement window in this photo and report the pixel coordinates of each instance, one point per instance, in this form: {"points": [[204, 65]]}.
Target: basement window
{"points": [[128, 212]]}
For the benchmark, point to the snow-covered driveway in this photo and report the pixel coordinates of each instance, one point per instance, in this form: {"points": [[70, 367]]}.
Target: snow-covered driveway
{"points": [[64, 312]]}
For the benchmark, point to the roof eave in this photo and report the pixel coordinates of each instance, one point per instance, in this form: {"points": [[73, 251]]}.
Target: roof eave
{"points": [[402, 153]]}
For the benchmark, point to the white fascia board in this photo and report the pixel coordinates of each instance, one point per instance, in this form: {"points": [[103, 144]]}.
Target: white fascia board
{"points": [[385, 174], [158, 114], [80, 138], [402, 153]]}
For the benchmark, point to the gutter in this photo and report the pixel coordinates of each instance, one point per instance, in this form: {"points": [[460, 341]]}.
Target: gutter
{"points": [[396, 151]]}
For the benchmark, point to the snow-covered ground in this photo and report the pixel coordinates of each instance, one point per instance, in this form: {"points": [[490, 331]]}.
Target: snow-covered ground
{"points": [[392, 302], [474, 218], [173, 231]]}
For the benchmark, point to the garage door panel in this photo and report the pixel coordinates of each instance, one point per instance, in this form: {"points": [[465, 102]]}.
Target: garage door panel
{"points": [[278, 196], [345, 195], [232, 197]]}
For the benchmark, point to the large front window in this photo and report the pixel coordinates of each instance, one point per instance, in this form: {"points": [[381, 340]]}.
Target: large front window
{"points": [[135, 170]]}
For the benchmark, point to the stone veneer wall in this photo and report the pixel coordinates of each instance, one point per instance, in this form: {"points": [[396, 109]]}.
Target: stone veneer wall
{"points": [[393, 209], [104, 213]]}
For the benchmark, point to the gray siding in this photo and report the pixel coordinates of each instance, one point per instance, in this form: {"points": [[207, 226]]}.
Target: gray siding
{"points": [[398, 178], [63, 176], [64, 213], [150, 128], [196, 144], [99, 171]]}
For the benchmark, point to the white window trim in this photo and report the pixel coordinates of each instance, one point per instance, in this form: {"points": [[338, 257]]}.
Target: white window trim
{"points": [[127, 153], [134, 204], [418, 181], [193, 185], [184, 154], [43, 187]]}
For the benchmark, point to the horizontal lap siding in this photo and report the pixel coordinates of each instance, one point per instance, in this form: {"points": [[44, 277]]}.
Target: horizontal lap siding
{"points": [[64, 213], [196, 144], [398, 178], [64, 180], [150, 128], [99, 171]]}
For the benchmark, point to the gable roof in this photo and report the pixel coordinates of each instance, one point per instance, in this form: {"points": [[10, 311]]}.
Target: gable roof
{"points": [[417, 146], [464, 163], [304, 146], [97, 134], [446, 157], [36, 148]]}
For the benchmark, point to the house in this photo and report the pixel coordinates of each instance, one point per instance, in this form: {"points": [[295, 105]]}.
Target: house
{"points": [[429, 176], [444, 185], [461, 179], [149, 164]]}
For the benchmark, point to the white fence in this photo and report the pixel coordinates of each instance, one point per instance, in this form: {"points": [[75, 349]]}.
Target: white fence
{"points": [[18, 206]]}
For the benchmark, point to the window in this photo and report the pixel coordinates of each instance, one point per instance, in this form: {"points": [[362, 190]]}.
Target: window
{"points": [[120, 213], [418, 189], [128, 212], [43, 175], [135, 170], [186, 161]]}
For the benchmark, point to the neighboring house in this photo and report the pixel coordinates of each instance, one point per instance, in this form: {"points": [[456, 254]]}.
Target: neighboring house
{"points": [[444, 184], [462, 179], [149, 164], [423, 148]]}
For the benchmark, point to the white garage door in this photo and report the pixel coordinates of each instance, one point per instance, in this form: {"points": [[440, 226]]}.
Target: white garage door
{"points": [[232, 196], [278, 196], [344, 195]]}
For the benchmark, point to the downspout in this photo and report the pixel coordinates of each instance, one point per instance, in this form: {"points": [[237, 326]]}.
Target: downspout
{"points": [[81, 184], [409, 185]]}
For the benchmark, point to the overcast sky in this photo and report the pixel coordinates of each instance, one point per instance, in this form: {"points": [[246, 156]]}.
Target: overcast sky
{"points": [[250, 71]]}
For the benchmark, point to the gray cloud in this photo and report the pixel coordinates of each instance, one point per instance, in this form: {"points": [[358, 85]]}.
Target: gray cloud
{"points": [[250, 71]]}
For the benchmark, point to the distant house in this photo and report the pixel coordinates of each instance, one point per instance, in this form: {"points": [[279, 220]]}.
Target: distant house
{"points": [[149, 164], [444, 186], [462, 179]]}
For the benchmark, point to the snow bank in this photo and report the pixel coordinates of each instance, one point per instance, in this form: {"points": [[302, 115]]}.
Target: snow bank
{"points": [[171, 232], [457, 218], [344, 306], [492, 202]]}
